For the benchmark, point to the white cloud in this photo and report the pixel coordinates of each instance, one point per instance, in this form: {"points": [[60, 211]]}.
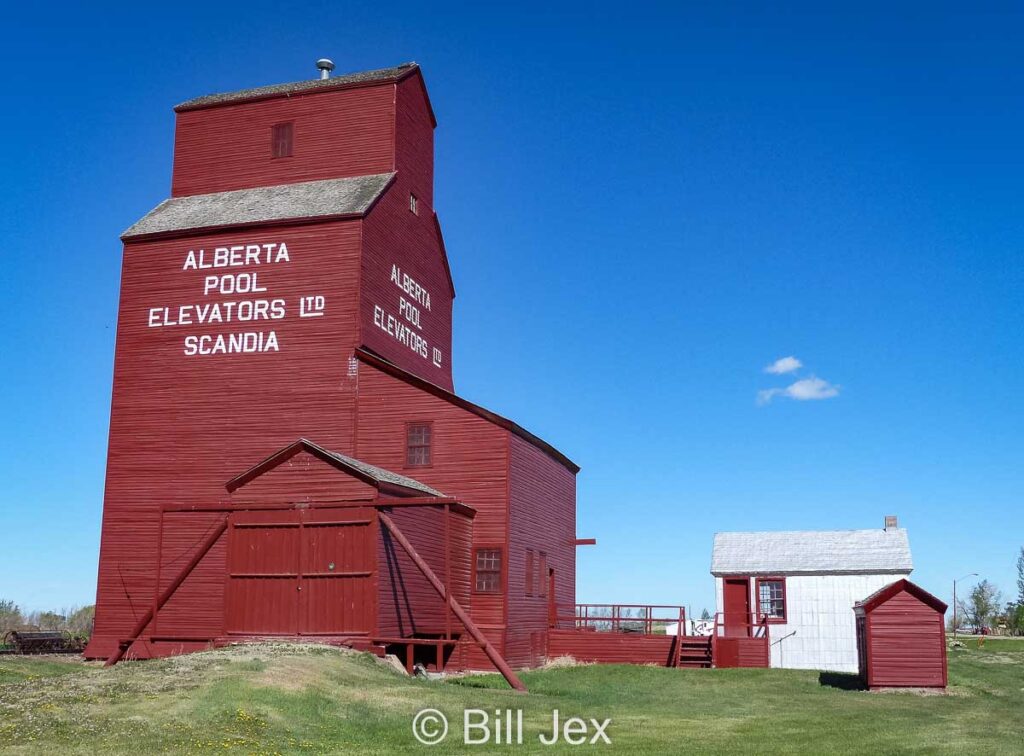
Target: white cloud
{"points": [[784, 365], [804, 390]]}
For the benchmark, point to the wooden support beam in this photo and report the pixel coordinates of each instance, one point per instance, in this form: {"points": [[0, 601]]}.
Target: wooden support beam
{"points": [[162, 599], [492, 653], [584, 542]]}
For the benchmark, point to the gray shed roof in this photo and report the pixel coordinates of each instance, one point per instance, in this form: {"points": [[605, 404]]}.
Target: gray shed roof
{"points": [[384, 476], [806, 552], [309, 199], [308, 85]]}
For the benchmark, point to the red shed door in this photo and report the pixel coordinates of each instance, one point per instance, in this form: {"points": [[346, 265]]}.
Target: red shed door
{"points": [[736, 606], [300, 572]]}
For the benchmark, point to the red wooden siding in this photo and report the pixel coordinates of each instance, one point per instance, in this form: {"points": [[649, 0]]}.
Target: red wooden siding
{"points": [[196, 609], [469, 462], [409, 606], [904, 643], [542, 518], [336, 133], [611, 648], [414, 142], [741, 652], [394, 239], [181, 426], [303, 478]]}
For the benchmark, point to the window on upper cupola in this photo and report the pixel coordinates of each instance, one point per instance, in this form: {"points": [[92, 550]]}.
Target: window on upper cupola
{"points": [[281, 139]]}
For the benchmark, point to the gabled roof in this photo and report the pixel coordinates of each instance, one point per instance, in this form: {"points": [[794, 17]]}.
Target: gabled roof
{"points": [[372, 358], [381, 479], [380, 75], [807, 552], [885, 593], [329, 198]]}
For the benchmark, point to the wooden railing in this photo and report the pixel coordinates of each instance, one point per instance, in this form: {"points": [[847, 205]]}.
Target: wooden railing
{"points": [[754, 626], [645, 619]]}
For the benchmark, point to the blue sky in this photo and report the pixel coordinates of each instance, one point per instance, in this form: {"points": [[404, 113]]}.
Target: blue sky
{"points": [[644, 206]]}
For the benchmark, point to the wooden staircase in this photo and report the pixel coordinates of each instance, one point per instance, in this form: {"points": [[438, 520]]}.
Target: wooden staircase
{"points": [[692, 651]]}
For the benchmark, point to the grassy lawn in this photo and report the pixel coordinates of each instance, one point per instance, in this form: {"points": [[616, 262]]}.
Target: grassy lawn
{"points": [[303, 699]]}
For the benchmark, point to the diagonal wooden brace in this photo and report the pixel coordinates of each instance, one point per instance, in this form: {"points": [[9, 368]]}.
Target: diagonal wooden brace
{"points": [[492, 653], [144, 620]]}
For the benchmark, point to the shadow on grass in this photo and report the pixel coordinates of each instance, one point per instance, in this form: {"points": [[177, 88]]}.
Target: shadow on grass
{"points": [[841, 680]]}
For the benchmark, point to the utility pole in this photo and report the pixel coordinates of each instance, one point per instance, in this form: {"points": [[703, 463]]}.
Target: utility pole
{"points": [[971, 574]]}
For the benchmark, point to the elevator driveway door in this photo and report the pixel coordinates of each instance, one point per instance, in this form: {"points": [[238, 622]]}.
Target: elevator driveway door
{"points": [[301, 572]]}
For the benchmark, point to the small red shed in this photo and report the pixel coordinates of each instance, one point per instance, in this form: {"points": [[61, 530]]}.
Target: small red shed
{"points": [[901, 641]]}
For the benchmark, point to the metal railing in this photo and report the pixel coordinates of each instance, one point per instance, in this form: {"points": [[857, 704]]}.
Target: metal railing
{"points": [[645, 619]]}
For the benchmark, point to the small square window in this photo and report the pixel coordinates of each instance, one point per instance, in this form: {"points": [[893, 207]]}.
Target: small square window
{"points": [[281, 140], [771, 599], [413, 204], [487, 571], [417, 444]]}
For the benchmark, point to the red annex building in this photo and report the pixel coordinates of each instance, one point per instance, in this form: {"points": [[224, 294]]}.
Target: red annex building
{"points": [[287, 456]]}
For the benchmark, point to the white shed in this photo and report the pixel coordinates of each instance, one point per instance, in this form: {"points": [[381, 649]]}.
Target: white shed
{"points": [[805, 583]]}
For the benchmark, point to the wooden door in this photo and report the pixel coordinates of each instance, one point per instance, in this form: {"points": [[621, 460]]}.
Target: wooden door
{"points": [[301, 572], [336, 562], [262, 595], [736, 606]]}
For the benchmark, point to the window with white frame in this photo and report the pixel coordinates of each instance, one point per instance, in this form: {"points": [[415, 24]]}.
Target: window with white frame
{"points": [[771, 598]]}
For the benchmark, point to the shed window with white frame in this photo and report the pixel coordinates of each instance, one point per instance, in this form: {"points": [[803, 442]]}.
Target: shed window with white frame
{"points": [[771, 598]]}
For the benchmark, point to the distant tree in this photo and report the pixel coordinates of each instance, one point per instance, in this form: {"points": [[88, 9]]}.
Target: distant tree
{"points": [[959, 615], [1020, 577], [80, 621], [10, 616], [705, 615], [50, 621], [1015, 619], [982, 604]]}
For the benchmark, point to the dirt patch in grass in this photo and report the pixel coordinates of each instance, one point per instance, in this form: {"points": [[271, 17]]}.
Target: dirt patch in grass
{"points": [[560, 662], [914, 691], [997, 658]]}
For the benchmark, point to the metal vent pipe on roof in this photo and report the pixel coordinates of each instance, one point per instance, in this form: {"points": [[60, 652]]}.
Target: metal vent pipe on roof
{"points": [[326, 65]]}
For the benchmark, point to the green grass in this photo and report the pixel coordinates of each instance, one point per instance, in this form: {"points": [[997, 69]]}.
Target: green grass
{"points": [[301, 699]]}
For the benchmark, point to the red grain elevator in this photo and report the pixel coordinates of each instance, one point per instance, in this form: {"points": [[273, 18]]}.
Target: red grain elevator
{"points": [[901, 638], [287, 456]]}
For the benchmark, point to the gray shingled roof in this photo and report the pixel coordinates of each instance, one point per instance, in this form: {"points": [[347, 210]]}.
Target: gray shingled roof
{"points": [[309, 199], [381, 475], [812, 551], [380, 74]]}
